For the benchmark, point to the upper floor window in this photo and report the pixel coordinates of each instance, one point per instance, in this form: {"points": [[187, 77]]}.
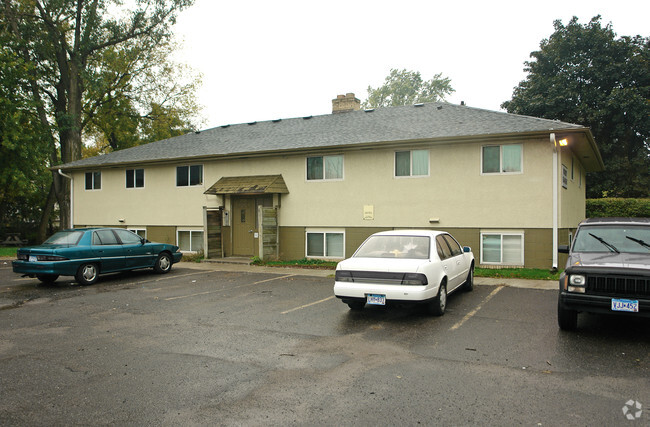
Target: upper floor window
{"points": [[93, 180], [501, 159], [189, 175], [412, 163], [134, 178], [324, 167]]}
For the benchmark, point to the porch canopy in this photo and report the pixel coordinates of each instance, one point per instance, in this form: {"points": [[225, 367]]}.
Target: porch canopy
{"points": [[259, 184]]}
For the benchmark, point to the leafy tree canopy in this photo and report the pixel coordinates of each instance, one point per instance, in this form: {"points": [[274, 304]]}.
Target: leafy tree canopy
{"points": [[403, 87], [98, 70], [587, 75]]}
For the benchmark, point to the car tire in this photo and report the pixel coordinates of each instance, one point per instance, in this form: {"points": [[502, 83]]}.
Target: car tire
{"points": [[47, 278], [87, 274], [356, 305], [163, 263], [468, 286], [438, 305], [567, 319]]}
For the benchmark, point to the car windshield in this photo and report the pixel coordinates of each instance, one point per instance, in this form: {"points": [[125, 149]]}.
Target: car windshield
{"points": [[64, 238], [415, 247], [613, 238]]}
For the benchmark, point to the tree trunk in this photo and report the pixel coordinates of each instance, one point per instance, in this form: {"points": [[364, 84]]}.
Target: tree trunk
{"points": [[46, 213]]}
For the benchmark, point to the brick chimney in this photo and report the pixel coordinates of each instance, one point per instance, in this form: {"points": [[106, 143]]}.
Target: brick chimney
{"points": [[345, 103]]}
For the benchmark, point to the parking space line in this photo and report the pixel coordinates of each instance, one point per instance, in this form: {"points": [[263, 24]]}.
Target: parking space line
{"points": [[227, 289], [307, 305], [473, 312]]}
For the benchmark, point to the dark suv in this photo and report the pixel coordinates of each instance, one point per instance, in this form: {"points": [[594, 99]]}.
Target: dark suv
{"points": [[608, 270]]}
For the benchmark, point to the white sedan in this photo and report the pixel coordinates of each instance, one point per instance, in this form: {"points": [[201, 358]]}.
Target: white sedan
{"points": [[405, 266]]}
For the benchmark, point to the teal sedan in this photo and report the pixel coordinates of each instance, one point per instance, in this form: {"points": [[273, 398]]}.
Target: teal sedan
{"points": [[86, 253]]}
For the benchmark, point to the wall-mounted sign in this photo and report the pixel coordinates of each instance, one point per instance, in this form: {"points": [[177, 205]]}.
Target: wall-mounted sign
{"points": [[368, 212]]}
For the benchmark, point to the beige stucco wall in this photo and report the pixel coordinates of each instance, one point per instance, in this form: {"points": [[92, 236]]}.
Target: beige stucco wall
{"points": [[455, 192], [573, 198]]}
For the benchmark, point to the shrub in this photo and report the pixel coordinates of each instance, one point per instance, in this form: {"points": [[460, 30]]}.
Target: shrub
{"points": [[611, 207]]}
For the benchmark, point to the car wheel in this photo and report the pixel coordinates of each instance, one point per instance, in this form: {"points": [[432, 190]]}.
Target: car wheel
{"points": [[439, 304], [468, 286], [163, 263], [87, 274], [356, 305], [567, 320], [47, 278]]}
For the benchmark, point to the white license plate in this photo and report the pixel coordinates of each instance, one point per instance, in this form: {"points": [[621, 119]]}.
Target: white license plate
{"points": [[376, 299], [32, 258], [631, 306]]}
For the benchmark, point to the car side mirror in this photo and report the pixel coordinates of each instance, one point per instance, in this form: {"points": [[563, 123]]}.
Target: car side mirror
{"points": [[563, 249], [143, 240], [467, 249]]}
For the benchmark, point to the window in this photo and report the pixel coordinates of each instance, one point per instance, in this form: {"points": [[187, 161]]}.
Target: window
{"points": [[104, 237], [93, 180], [453, 245], [325, 244], [324, 167], [190, 240], [412, 163], [443, 248], [142, 232], [134, 178], [189, 175], [502, 248], [501, 159], [127, 237]]}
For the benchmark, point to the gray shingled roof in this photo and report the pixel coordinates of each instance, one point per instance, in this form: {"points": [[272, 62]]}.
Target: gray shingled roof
{"points": [[428, 121]]}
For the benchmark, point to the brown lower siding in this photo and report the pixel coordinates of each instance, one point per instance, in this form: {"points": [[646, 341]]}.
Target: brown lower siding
{"points": [[538, 243]]}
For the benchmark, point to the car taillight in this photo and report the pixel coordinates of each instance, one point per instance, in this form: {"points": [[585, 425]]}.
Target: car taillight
{"points": [[414, 279], [343, 276], [50, 258]]}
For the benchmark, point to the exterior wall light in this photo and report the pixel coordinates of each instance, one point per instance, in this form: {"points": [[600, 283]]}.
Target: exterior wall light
{"points": [[563, 142]]}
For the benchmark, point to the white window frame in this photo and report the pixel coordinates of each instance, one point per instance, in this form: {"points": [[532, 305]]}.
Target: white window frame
{"points": [[191, 231], [324, 178], [410, 175], [521, 160], [126, 179], [501, 234], [325, 232], [189, 173]]}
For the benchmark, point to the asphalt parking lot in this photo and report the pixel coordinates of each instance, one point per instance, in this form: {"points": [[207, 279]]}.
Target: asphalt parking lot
{"points": [[230, 346]]}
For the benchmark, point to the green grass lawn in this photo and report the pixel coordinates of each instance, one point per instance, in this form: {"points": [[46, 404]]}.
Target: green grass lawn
{"points": [[511, 273], [8, 251]]}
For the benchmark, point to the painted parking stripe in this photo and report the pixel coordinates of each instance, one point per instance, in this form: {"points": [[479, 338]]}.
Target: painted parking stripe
{"points": [[227, 289], [473, 312], [307, 305]]}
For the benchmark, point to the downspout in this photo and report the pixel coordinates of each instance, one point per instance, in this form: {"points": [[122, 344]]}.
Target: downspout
{"points": [[71, 194], [555, 200]]}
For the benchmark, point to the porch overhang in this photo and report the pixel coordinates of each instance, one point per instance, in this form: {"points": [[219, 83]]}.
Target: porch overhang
{"points": [[249, 185]]}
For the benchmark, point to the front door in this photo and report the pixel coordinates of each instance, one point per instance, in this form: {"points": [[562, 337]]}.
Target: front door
{"points": [[243, 226]]}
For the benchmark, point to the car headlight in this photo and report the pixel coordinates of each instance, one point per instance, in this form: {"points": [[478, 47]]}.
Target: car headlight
{"points": [[577, 283], [22, 257]]}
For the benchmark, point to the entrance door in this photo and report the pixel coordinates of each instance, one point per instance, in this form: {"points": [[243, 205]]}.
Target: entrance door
{"points": [[243, 226]]}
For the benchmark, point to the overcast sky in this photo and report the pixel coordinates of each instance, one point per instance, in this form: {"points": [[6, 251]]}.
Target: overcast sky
{"points": [[263, 60]]}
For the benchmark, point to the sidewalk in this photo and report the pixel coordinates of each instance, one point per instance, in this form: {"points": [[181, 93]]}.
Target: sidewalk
{"points": [[222, 266]]}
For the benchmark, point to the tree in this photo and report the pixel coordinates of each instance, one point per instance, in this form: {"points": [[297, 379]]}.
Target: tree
{"points": [[24, 178], [584, 74], [84, 60], [403, 87]]}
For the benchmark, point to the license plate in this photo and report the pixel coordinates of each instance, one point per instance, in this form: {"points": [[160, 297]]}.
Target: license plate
{"points": [[631, 306], [376, 299], [32, 258]]}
